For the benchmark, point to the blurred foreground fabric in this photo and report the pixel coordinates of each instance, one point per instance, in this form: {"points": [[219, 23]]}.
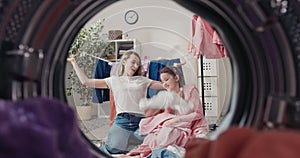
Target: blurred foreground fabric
{"points": [[40, 128], [247, 143]]}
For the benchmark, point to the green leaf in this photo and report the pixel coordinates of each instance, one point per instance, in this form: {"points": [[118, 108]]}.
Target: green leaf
{"points": [[87, 43]]}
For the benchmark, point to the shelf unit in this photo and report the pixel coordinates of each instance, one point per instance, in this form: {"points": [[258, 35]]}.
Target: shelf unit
{"points": [[210, 86], [215, 92], [120, 46]]}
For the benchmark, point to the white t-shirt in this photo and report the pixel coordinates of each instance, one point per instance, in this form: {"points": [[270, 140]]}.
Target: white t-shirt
{"points": [[128, 91]]}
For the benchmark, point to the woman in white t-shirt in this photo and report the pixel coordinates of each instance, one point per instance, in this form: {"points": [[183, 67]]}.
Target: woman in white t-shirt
{"points": [[128, 87]]}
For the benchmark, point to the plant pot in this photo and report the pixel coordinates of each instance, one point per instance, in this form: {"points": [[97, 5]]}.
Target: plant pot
{"points": [[84, 112]]}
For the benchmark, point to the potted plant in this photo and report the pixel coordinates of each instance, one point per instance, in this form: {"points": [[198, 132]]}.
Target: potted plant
{"points": [[87, 45]]}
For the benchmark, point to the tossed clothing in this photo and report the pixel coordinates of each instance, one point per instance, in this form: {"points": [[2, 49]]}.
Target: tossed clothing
{"points": [[177, 133], [167, 100]]}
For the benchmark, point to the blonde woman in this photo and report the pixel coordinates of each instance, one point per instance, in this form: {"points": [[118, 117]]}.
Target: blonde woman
{"points": [[128, 88]]}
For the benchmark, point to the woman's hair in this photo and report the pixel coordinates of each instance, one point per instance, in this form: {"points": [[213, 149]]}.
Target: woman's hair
{"points": [[172, 70], [125, 56]]}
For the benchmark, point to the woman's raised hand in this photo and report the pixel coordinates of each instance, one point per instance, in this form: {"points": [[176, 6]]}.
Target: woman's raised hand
{"points": [[71, 59]]}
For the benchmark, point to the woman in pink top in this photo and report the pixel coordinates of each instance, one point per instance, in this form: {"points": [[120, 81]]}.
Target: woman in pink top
{"points": [[175, 124]]}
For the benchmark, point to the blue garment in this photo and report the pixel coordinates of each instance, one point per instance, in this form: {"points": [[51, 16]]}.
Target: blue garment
{"points": [[160, 152], [102, 70], [122, 134], [154, 72]]}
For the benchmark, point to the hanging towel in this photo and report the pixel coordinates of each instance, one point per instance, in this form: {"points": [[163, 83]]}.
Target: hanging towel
{"points": [[102, 70], [154, 72], [205, 40]]}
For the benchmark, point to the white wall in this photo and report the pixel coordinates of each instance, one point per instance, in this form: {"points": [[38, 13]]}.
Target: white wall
{"points": [[163, 29]]}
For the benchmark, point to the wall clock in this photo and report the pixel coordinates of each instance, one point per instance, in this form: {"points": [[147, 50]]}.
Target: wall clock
{"points": [[131, 17]]}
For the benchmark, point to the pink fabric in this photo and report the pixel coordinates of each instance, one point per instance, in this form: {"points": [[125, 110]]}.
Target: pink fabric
{"points": [[197, 36], [202, 42], [173, 134], [114, 67], [146, 64], [149, 124], [219, 43]]}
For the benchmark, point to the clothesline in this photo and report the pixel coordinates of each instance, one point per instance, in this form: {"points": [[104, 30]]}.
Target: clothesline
{"points": [[110, 63], [96, 57], [162, 58]]}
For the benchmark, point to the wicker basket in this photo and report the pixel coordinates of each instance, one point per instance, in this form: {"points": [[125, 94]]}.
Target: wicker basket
{"points": [[114, 34], [111, 57]]}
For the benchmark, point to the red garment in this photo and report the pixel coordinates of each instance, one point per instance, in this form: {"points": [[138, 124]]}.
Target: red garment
{"points": [[205, 40], [113, 111], [247, 143]]}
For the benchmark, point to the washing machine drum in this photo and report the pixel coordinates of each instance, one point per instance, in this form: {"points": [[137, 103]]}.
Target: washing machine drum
{"points": [[261, 37]]}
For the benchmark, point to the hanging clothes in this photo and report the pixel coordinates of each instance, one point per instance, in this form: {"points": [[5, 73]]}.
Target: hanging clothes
{"points": [[146, 64], [219, 43], [102, 70], [205, 40], [154, 72], [114, 67]]}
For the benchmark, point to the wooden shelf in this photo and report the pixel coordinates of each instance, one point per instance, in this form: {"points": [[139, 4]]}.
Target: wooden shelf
{"points": [[122, 44]]}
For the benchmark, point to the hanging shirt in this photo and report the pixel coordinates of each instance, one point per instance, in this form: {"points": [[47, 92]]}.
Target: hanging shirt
{"points": [[102, 70], [202, 42]]}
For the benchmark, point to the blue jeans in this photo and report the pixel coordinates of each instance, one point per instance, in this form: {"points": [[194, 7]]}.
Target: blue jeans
{"points": [[122, 135], [160, 152]]}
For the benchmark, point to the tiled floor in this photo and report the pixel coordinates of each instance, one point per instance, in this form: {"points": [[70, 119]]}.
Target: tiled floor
{"points": [[95, 129]]}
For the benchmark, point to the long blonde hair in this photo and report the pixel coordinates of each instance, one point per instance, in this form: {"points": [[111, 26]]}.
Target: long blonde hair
{"points": [[125, 56]]}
